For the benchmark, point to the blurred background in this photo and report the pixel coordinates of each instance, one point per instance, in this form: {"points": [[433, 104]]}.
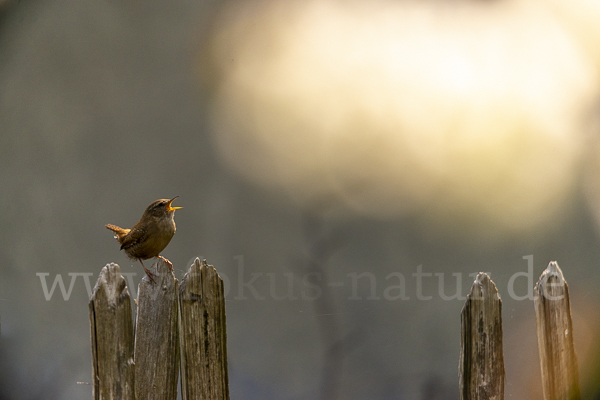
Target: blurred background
{"points": [[323, 151]]}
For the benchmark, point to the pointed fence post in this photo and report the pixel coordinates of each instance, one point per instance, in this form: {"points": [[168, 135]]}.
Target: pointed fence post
{"points": [[558, 361], [156, 339], [203, 333], [481, 365], [111, 329]]}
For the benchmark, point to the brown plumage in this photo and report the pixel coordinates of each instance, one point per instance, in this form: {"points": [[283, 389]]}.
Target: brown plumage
{"points": [[150, 235]]}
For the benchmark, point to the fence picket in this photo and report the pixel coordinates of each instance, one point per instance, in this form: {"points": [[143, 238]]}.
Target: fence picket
{"points": [[111, 329], [156, 337], [481, 365], [558, 361], [203, 334]]}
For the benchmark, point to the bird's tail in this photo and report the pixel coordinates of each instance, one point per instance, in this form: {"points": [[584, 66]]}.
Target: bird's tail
{"points": [[119, 232]]}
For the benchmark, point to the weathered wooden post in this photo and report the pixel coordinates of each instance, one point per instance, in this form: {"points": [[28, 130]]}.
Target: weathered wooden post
{"points": [[112, 336], [156, 339], [558, 361], [481, 365], [203, 333]]}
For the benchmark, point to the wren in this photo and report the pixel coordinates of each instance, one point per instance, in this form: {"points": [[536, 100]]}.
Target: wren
{"points": [[150, 235]]}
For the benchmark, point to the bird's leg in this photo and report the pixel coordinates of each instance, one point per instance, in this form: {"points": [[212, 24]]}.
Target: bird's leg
{"points": [[166, 261], [150, 274]]}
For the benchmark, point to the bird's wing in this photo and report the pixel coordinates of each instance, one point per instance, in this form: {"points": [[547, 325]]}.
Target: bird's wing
{"points": [[134, 237]]}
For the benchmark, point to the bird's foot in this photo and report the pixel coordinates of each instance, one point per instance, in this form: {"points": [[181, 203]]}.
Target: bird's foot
{"points": [[150, 274], [167, 262]]}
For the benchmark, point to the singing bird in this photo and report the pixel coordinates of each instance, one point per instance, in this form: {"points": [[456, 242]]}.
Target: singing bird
{"points": [[150, 235]]}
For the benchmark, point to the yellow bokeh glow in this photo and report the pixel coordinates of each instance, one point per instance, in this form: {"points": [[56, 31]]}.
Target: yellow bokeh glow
{"points": [[467, 112]]}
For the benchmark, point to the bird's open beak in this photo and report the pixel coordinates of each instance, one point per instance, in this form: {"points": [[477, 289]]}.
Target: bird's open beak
{"points": [[169, 208]]}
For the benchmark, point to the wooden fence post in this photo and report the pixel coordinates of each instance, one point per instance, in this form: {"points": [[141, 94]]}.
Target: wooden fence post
{"points": [[203, 333], [111, 327], [558, 361], [156, 339], [481, 365]]}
